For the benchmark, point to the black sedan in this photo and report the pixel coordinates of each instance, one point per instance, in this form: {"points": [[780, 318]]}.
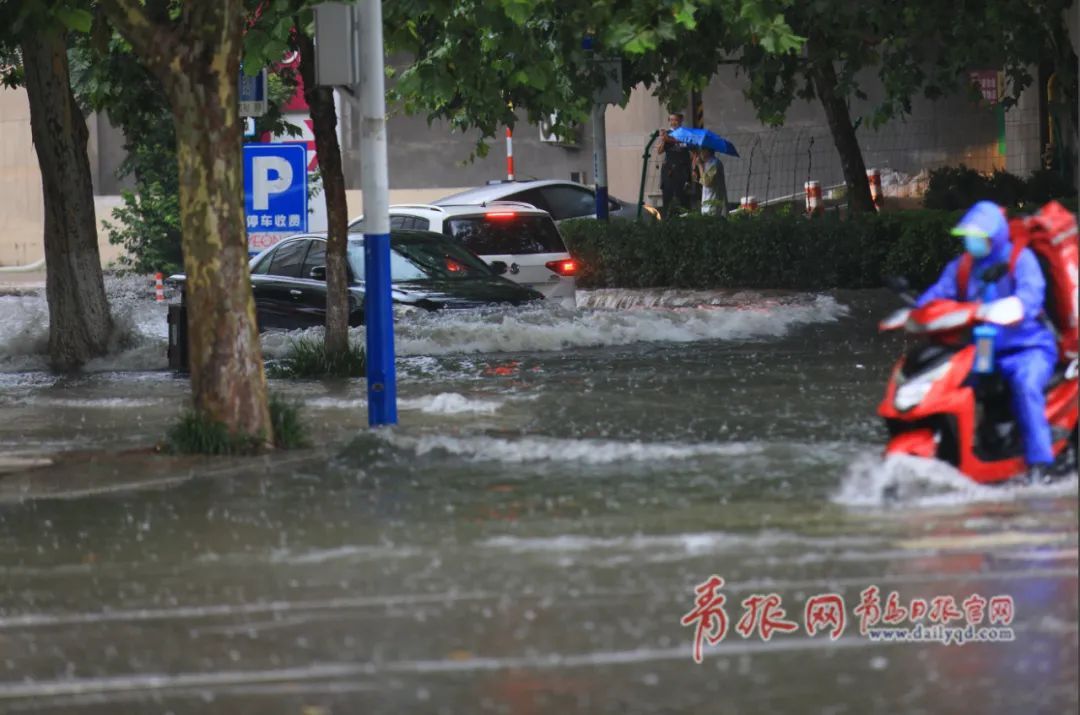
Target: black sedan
{"points": [[427, 271]]}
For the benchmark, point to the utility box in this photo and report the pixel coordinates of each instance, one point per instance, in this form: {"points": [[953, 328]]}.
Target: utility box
{"points": [[337, 50]]}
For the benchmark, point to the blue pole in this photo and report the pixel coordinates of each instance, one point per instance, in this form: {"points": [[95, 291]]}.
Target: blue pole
{"points": [[378, 305], [600, 161]]}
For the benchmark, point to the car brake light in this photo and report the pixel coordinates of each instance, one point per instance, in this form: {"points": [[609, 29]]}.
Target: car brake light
{"points": [[563, 268], [501, 215]]}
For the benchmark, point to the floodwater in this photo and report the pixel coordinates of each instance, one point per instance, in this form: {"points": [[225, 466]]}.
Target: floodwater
{"points": [[527, 540]]}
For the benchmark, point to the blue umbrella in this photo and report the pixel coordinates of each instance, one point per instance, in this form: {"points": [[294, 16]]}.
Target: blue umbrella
{"points": [[704, 138]]}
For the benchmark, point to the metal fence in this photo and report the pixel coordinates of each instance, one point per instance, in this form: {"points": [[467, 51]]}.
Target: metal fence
{"points": [[774, 164]]}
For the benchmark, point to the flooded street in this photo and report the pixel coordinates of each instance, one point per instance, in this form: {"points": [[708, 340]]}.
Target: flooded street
{"points": [[529, 537]]}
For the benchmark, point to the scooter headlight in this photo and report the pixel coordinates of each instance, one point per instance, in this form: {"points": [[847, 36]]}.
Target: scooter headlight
{"points": [[917, 387]]}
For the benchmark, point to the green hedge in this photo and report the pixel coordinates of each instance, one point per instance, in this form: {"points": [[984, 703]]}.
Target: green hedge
{"points": [[763, 251], [951, 188]]}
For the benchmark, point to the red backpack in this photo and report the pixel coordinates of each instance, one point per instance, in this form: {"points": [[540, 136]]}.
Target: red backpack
{"points": [[1052, 235]]}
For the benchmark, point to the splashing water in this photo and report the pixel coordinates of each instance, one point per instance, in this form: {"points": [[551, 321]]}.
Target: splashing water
{"points": [[899, 480], [606, 318]]}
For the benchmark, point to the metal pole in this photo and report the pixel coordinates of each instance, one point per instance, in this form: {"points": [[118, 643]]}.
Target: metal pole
{"points": [[509, 154], [644, 169], [600, 160], [378, 309]]}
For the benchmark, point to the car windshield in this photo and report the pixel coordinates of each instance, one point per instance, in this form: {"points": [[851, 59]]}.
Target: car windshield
{"points": [[422, 257]]}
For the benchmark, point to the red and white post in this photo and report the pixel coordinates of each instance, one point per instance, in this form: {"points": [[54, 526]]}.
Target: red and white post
{"points": [[509, 154], [814, 206], [159, 288], [874, 177]]}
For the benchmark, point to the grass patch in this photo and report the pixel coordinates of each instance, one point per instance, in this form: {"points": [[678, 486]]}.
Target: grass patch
{"points": [[289, 430], [307, 358], [197, 434]]}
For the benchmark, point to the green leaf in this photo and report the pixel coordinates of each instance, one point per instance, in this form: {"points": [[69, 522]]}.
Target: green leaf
{"points": [[75, 19], [685, 16]]}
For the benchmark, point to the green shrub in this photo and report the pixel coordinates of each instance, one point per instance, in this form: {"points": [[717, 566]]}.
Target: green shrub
{"points": [[954, 188], [307, 358], [196, 434], [763, 251], [289, 430]]}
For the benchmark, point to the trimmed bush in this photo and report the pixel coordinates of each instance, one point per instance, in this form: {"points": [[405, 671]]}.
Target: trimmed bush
{"points": [[772, 250], [955, 188]]}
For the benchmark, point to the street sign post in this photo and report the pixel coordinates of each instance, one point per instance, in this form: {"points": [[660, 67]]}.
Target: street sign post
{"points": [[252, 94], [275, 192]]}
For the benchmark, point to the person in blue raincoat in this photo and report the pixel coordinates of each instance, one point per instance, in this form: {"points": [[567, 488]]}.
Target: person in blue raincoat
{"points": [[1025, 353]]}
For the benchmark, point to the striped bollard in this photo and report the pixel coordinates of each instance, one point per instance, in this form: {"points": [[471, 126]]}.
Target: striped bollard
{"points": [[814, 206], [873, 176], [159, 288]]}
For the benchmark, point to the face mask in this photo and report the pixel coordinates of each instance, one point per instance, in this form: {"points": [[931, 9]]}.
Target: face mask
{"points": [[977, 246]]}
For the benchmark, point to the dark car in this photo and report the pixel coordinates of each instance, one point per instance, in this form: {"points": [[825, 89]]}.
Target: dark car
{"points": [[427, 270]]}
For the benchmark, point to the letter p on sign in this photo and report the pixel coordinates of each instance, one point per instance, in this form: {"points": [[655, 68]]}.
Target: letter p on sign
{"points": [[270, 175]]}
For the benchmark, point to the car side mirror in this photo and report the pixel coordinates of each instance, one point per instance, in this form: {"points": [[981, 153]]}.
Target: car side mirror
{"points": [[498, 267], [318, 273]]}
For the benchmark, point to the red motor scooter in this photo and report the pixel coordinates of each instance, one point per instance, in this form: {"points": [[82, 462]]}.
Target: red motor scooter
{"points": [[937, 407]]}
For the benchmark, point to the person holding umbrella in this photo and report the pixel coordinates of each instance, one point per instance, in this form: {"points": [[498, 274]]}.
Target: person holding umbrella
{"points": [[675, 171]]}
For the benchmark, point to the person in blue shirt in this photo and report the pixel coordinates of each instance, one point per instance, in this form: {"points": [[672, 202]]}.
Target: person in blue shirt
{"points": [[1024, 354]]}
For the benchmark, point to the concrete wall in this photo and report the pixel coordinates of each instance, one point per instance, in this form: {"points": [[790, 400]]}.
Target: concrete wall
{"points": [[424, 157], [21, 212], [22, 220]]}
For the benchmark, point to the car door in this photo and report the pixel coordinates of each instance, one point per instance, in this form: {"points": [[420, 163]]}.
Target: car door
{"points": [[311, 303], [279, 290]]}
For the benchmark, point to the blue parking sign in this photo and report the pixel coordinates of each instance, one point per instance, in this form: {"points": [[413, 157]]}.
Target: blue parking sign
{"points": [[275, 192]]}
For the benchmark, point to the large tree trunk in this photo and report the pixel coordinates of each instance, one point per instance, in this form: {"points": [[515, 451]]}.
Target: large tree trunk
{"points": [[198, 62], [324, 125], [824, 78], [79, 321]]}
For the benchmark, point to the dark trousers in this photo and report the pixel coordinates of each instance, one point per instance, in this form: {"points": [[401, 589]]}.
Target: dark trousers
{"points": [[674, 195]]}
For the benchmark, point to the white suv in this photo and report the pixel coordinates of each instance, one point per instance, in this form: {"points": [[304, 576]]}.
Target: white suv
{"points": [[519, 236]]}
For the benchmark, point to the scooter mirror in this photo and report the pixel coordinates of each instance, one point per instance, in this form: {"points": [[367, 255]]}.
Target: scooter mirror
{"points": [[897, 284]]}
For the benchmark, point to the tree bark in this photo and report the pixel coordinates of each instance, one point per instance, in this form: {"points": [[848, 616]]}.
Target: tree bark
{"points": [[80, 324], [198, 62], [823, 75], [320, 102]]}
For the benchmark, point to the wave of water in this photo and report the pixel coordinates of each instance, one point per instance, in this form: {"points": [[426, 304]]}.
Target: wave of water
{"points": [[482, 448], [606, 318], [138, 342], [443, 403], [899, 480], [547, 328]]}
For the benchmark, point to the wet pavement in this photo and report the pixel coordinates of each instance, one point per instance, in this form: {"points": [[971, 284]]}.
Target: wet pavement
{"points": [[529, 537]]}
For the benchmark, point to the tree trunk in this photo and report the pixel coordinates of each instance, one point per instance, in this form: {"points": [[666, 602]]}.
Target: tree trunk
{"points": [[324, 125], [198, 62], [79, 321], [824, 78]]}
